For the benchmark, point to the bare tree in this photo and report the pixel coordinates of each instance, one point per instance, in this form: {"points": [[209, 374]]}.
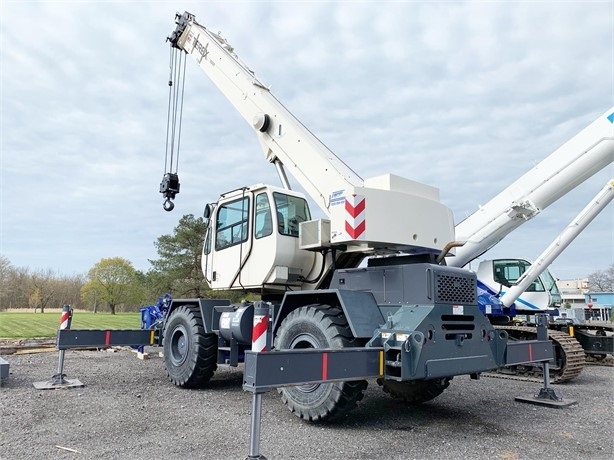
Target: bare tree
{"points": [[602, 280], [69, 290], [6, 270], [17, 290]]}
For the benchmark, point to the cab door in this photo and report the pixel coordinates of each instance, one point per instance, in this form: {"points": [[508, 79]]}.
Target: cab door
{"points": [[228, 245]]}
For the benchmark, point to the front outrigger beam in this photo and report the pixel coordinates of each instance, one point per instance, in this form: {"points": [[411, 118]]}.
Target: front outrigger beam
{"points": [[269, 370], [83, 338], [92, 338], [265, 371]]}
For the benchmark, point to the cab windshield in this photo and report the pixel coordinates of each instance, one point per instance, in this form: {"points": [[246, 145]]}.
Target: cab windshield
{"points": [[508, 271]]}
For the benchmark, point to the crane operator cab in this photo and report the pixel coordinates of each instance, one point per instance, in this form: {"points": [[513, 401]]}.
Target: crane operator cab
{"points": [[499, 274], [263, 237], [252, 240]]}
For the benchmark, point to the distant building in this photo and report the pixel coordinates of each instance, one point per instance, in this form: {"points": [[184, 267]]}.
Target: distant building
{"points": [[599, 305], [583, 304], [573, 292]]}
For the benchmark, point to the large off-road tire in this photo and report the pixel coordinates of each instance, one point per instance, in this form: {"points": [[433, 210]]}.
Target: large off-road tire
{"points": [[318, 326], [415, 391], [190, 354]]}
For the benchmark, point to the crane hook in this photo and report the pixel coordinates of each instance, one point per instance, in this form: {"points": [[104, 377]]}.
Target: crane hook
{"points": [[168, 205], [169, 187]]}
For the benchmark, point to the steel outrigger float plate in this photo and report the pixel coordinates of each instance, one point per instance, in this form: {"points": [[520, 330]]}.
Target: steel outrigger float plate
{"points": [[57, 383], [547, 398]]}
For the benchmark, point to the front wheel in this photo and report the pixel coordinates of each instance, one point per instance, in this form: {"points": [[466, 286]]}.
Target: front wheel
{"points": [[318, 326], [190, 354]]}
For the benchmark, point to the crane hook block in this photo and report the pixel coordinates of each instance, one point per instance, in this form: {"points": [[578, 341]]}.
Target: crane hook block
{"points": [[168, 205], [169, 187]]}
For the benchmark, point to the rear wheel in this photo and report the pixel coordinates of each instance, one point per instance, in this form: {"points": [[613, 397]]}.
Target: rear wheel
{"points": [[415, 391], [190, 354], [318, 326]]}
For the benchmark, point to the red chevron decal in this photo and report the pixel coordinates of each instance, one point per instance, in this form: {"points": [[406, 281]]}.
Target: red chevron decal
{"points": [[355, 232], [355, 210]]}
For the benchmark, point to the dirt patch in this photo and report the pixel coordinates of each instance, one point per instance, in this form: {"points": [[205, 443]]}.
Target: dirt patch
{"points": [[11, 346]]}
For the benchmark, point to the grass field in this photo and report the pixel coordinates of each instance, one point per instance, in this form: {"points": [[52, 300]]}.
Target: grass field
{"points": [[28, 325]]}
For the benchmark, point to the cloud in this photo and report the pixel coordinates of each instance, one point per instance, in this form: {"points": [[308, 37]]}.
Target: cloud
{"points": [[465, 96]]}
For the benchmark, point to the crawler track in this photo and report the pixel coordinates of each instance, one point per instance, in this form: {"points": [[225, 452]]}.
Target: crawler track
{"points": [[607, 361], [569, 358]]}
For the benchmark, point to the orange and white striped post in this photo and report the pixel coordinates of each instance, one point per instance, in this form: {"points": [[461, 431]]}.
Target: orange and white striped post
{"points": [[261, 342], [66, 317], [65, 320], [260, 331]]}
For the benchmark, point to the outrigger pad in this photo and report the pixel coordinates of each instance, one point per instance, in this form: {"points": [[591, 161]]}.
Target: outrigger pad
{"points": [[546, 397], [57, 383]]}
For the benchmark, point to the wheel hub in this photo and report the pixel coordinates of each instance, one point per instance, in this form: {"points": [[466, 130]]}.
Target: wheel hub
{"points": [[305, 341], [179, 346]]}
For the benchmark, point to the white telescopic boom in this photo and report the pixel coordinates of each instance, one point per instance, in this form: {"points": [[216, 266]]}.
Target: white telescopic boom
{"points": [[601, 200], [283, 138], [585, 154]]}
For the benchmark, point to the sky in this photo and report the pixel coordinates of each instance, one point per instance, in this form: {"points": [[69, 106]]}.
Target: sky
{"points": [[463, 96]]}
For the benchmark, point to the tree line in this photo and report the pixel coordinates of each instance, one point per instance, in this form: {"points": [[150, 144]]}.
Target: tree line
{"points": [[113, 284]]}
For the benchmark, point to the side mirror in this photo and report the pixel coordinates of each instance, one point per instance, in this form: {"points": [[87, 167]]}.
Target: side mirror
{"points": [[208, 212]]}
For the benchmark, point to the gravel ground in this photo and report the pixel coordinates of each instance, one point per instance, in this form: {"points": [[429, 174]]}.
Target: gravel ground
{"points": [[129, 410]]}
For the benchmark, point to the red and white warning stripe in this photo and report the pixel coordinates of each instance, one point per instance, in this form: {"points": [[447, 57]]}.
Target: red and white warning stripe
{"points": [[355, 222], [64, 319], [259, 331]]}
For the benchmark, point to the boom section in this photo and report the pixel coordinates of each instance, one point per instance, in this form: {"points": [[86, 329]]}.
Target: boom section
{"points": [[570, 165], [378, 215], [283, 138]]}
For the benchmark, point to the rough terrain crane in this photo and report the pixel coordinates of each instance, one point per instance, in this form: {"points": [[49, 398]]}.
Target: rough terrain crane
{"points": [[421, 315]]}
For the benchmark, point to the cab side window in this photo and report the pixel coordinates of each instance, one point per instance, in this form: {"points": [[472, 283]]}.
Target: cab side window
{"points": [[291, 211], [263, 219], [232, 219]]}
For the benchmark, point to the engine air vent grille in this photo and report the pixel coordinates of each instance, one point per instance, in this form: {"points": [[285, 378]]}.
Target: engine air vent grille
{"points": [[455, 289]]}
